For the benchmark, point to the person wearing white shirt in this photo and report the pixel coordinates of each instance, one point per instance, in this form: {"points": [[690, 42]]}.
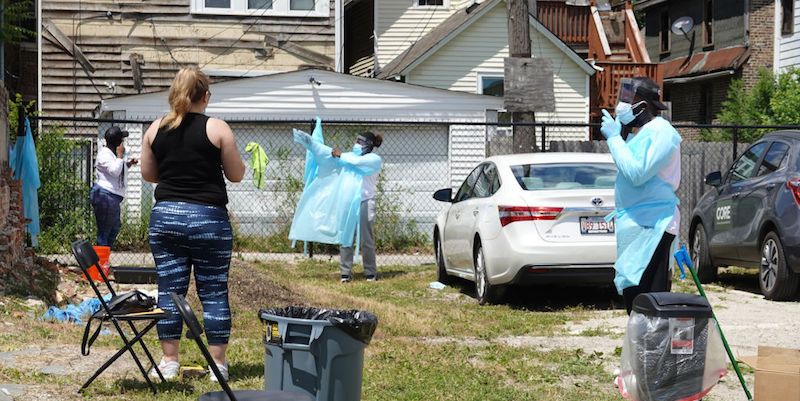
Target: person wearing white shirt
{"points": [[109, 186]]}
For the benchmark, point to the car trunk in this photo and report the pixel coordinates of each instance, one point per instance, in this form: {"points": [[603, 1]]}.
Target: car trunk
{"points": [[577, 209]]}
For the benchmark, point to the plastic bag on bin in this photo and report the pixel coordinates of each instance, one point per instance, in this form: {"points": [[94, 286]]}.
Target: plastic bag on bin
{"points": [[358, 324], [668, 358]]}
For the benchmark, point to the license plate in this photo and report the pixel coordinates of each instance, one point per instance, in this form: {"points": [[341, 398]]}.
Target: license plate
{"points": [[596, 225]]}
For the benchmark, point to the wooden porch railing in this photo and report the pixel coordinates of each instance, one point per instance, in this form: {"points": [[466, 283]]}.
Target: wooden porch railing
{"points": [[605, 84], [569, 23]]}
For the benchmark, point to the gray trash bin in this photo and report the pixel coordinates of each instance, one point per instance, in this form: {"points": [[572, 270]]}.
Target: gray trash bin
{"points": [[672, 350], [319, 352]]}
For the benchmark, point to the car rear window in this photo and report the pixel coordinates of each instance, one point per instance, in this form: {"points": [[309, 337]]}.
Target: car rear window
{"points": [[533, 177]]}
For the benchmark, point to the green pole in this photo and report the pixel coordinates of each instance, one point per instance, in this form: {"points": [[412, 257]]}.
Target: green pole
{"points": [[724, 341]]}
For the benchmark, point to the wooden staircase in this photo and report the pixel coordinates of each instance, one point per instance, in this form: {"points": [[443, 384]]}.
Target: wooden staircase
{"points": [[611, 40]]}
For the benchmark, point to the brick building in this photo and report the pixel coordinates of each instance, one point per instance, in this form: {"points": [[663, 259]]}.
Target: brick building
{"points": [[730, 39]]}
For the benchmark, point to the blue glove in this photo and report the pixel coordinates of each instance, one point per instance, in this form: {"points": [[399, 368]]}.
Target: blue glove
{"points": [[611, 126], [301, 137]]}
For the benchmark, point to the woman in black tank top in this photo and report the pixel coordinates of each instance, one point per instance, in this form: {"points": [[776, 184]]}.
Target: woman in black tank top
{"points": [[186, 153]]}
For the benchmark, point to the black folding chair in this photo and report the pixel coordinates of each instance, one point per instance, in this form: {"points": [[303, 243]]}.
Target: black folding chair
{"points": [[87, 257], [196, 332]]}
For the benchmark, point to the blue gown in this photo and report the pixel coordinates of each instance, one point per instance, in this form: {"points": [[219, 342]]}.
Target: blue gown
{"points": [[329, 207], [645, 203], [25, 167]]}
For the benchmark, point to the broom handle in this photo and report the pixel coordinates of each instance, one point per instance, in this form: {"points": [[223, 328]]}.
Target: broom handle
{"points": [[724, 341]]}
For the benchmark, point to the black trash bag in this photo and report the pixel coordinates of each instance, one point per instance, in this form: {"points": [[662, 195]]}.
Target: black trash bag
{"points": [[356, 323]]}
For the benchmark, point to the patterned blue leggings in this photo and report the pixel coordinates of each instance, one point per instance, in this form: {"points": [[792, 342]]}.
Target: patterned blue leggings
{"points": [[185, 235]]}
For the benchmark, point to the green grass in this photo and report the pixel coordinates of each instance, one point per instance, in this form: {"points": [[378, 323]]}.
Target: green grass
{"points": [[429, 344]]}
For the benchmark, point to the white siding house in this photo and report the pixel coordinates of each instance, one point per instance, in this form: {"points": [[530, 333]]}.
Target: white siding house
{"points": [[418, 159], [787, 41], [400, 23], [466, 53]]}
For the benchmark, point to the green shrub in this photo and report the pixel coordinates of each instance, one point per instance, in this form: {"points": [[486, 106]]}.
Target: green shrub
{"points": [[773, 100], [133, 232], [64, 208]]}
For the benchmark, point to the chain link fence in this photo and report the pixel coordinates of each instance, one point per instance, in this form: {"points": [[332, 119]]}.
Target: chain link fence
{"points": [[415, 164], [419, 157]]}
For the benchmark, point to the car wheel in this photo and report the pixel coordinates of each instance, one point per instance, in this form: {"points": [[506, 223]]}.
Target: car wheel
{"points": [[777, 282], [701, 257], [485, 292], [441, 272]]}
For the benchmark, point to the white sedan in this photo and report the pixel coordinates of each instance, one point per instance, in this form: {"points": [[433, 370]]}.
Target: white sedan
{"points": [[529, 219]]}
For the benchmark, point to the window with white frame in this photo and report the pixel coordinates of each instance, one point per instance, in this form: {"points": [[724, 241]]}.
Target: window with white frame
{"points": [[431, 3], [287, 8], [490, 84]]}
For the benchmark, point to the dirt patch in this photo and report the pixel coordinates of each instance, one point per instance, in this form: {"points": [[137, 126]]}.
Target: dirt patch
{"points": [[248, 286], [248, 283], [34, 276]]}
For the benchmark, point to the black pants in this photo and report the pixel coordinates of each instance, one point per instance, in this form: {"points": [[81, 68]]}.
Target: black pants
{"points": [[656, 276]]}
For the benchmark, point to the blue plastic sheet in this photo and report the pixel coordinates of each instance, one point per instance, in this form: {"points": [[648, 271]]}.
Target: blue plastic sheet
{"points": [[645, 203], [25, 167], [329, 207], [74, 313]]}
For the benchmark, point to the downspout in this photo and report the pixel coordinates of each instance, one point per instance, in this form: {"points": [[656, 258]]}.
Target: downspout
{"points": [[746, 23], [338, 36], [776, 37], [375, 65], [2, 47], [39, 60]]}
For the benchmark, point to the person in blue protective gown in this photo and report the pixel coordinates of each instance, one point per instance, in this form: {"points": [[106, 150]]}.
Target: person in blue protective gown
{"points": [[338, 197], [649, 171], [363, 150]]}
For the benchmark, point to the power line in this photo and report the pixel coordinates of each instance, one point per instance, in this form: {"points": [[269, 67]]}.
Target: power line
{"points": [[164, 43]]}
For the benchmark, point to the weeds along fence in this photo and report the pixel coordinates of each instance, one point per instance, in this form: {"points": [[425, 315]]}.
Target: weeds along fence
{"points": [[419, 158]]}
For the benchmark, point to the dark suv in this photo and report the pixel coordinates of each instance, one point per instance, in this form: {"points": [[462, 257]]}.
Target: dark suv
{"points": [[752, 216]]}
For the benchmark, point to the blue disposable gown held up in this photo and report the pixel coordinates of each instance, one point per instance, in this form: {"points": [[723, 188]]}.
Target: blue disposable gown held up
{"points": [[645, 203], [329, 208], [25, 167]]}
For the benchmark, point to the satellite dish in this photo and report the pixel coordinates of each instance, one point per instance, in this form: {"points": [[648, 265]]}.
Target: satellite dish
{"points": [[682, 25]]}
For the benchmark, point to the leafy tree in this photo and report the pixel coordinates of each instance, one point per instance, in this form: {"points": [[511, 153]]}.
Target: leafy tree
{"points": [[64, 209], [13, 117], [14, 13], [773, 100]]}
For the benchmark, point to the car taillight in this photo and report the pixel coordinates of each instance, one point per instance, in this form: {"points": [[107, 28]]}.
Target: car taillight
{"points": [[510, 214], [794, 186]]}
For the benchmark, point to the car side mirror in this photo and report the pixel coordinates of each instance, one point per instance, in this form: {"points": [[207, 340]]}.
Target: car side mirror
{"points": [[714, 179], [444, 195]]}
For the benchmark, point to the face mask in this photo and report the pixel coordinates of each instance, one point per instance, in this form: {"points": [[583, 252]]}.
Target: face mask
{"points": [[357, 149], [625, 112]]}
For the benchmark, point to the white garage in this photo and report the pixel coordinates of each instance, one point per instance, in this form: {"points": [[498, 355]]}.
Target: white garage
{"points": [[431, 139]]}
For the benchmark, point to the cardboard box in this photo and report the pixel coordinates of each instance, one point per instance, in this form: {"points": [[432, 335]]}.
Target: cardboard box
{"points": [[777, 373]]}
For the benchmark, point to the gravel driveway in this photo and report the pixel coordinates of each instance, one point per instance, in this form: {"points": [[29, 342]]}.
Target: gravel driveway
{"points": [[747, 320]]}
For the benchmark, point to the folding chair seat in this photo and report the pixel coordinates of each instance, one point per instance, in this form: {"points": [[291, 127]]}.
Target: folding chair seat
{"points": [[87, 257], [196, 332]]}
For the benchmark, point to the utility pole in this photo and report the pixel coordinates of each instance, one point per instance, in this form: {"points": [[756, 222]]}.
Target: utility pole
{"points": [[519, 44]]}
